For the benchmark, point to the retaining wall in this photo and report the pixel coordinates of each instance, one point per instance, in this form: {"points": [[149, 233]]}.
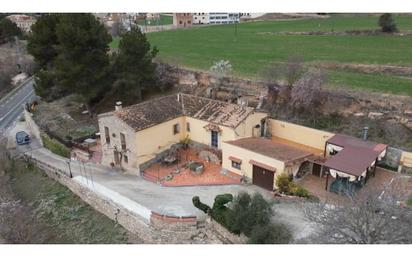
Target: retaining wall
{"points": [[121, 215]]}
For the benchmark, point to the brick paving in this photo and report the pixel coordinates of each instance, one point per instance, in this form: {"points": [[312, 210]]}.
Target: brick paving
{"points": [[211, 175]]}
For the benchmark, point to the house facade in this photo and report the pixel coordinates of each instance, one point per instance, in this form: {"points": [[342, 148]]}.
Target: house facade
{"points": [[182, 20], [251, 145], [137, 134]]}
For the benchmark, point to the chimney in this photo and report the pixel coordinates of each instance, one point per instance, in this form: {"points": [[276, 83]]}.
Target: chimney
{"points": [[365, 133], [118, 106]]}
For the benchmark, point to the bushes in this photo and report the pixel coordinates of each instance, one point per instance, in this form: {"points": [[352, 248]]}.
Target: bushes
{"points": [[55, 146], [287, 186], [283, 182], [245, 214], [269, 234], [409, 202]]}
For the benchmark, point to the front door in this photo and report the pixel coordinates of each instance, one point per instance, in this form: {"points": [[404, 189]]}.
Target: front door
{"points": [[214, 138], [263, 178], [116, 157], [316, 170]]}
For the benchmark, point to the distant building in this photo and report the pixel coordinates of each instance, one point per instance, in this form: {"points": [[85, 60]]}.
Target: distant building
{"points": [[24, 22], [182, 20], [200, 18], [224, 18]]}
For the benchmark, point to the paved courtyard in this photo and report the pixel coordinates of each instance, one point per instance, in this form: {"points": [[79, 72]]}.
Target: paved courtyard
{"points": [[211, 174], [316, 185]]}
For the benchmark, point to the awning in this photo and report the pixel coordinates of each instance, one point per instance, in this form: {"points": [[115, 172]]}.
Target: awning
{"points": [[235, 159], [262, 165]]}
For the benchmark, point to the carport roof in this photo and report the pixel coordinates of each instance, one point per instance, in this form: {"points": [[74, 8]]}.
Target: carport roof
{"points": [[270, 148], [356, 156]]}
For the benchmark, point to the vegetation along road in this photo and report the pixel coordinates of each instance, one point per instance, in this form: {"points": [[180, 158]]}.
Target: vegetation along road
{"points": [[258, 44]]}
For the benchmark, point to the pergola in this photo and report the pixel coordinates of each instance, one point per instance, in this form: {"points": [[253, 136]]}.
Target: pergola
{"points": [[352, 158]]}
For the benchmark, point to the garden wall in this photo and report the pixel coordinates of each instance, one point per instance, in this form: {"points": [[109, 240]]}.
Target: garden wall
{"points": [[300, 134]]}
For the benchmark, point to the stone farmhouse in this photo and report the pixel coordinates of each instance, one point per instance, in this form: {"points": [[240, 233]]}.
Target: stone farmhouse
{"points": [[241, 140]]}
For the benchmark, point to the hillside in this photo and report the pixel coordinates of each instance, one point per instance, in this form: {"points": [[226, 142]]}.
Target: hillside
{"points": [[252, 46]]}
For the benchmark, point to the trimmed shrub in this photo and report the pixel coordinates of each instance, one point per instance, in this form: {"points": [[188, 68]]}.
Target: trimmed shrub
{"points": [[220, 212], [201, 206], [270, 234], [282, 182]]}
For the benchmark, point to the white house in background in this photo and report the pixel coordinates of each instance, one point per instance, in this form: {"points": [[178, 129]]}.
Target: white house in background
{"points": [[24, 22], [223, 18], [200, 18]]}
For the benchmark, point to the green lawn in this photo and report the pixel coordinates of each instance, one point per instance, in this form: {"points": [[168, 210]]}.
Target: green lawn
{"points": [[373, 82], [258, 44], [164, 20]]}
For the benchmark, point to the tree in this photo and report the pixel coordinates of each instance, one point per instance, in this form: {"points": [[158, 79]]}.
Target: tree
{"points": [[270, 234], [307, 92], [290, 72], [42, 42], [8, 30], [133, 64], [82, 62], [370, 217], [387, 23], [71, 50]]}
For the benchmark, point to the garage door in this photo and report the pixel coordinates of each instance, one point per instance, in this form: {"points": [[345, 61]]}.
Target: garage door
{"points": [[263, 177]]}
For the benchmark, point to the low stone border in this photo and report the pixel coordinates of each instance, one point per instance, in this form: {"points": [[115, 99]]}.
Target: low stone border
{"points": [[174, 223]]}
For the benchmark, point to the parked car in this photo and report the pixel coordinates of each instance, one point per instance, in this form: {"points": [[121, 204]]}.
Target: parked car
{"points": [[22, 138]]}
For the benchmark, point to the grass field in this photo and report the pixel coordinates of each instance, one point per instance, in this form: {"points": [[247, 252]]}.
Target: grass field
{"points": [[373, 82], [164, 20], [67, 218], [258, 44]]}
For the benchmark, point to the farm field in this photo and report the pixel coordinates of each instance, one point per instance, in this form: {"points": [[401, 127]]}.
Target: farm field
{"points": [[250, 47], [164, 20]]}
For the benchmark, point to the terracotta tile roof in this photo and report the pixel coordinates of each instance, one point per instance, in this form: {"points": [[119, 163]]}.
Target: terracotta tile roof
{"points": [[218, 112], [356, 156], [144, 115], [147, 114], [270, 148]]}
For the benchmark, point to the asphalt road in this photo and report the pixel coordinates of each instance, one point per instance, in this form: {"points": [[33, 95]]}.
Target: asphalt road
{"points": [[11, 106]]}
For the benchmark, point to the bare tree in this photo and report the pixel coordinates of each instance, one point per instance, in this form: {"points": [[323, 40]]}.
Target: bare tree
{"points": [[289, 72], [307, 92], [370, 217]]}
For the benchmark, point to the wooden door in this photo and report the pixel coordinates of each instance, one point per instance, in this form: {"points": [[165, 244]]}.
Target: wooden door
{"points": [[316, 169], [263, 177]]}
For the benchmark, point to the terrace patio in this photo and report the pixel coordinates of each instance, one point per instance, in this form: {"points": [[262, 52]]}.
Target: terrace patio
{"points": [[316, 185], [179, 173]]}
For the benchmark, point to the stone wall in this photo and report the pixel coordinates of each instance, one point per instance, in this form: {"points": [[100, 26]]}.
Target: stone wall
{"points": [[205, 84], [117, 213], [160, 229], [223, 234], [392, 158]]}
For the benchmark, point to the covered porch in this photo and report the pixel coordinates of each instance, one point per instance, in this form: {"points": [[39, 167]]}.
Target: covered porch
{"points": [[350, 162]]}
